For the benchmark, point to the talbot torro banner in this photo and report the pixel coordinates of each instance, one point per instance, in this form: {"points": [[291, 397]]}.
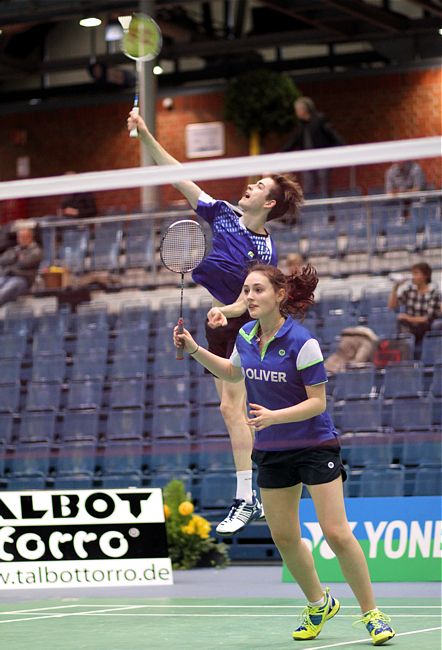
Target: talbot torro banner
{"points": [[83, 538]]}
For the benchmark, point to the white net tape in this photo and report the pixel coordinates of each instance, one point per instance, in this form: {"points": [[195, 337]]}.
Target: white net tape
{"points": [[363, 154]]}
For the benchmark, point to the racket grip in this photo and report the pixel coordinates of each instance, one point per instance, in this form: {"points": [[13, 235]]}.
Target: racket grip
{"points": [[180, 351], [133, 133]]}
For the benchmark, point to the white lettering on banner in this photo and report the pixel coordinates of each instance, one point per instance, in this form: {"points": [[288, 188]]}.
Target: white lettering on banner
{"points": [[437, 548], [25, 551], [266, 375], [109, 550], [374, 535], [91, 506], [401, 543], [420, 539]]}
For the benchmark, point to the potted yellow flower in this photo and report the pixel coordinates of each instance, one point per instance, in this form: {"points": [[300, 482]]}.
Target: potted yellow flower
{"points": [[188, 534]]}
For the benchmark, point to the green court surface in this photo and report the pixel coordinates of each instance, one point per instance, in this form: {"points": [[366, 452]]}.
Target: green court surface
{"points": [[202, 624]]}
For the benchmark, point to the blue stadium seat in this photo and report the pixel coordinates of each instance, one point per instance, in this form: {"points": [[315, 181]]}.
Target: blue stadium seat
{"points": [[436, 382], [26, 483], [372, 298], [421, 448], [85, 394], [411, 413], [215, 454], [128, 365], [88, 366], [9, 397], [165, 365], [126, 342], [333, 326], [387, 481], [18, 320], [48, 343], [10, 370], [431, 348], [2, 454], [30, 459], [324, 241], [12, 345], [403, 380], [122, 481], [73, 248], [217, 490], [76, 458], [169, 454], [134, 317], [357, 238], [400, 236], [206, 391], [362, 415], [354, 383], [383, 322], [171, 422], [125, 424], [80, 425], [433, 234], [371, 449], [162, 478], [168, 313], [334, 302], [171, 391], [6, 427], [43, 396], [122, 457], [54, 321], [127, 393], [37, 427], [139, 250], [106, 251], [210, 422], [428, 481], [81, 481], [92, 341], [437, 411], [49, 367]]}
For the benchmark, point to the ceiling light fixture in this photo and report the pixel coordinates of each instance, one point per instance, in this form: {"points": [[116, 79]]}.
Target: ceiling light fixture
{"points": [[113, 31], [157, 69], [90, 22], [124, 21]]}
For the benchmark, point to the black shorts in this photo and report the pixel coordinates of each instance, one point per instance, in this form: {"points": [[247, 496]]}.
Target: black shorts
{"points": [[312, 466], [221, 340]]}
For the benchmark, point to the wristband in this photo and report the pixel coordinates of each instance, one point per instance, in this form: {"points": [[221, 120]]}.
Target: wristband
{"points": [[195, 351]]}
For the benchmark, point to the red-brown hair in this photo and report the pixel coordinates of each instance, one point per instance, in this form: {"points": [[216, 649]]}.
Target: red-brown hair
{"points": [[288, 195], [299, 286]]}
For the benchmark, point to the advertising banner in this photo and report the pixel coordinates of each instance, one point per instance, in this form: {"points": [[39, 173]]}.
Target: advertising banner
{"points": [[401, 538], [83, 538]]}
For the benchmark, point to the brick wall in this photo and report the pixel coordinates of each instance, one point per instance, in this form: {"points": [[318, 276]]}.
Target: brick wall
{"points": [[367, 108]]}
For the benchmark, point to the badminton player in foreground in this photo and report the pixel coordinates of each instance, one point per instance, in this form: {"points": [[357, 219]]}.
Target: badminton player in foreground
{"points": [[295, 440], [237, 240]]}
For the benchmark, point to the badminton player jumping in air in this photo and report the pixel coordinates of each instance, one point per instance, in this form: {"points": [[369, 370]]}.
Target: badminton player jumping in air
{"points": [[238, 239], [295, 440]]}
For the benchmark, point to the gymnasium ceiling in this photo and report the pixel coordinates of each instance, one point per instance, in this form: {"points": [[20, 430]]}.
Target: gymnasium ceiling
{"points": [[208, 42]]}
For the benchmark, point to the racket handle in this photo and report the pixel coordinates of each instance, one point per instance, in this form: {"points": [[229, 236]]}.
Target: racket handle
{"points": [[180, 351], [134, 132]]}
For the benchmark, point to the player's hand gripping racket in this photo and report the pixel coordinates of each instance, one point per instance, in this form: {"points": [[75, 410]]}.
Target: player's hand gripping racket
{"points": [[142, 41], [182, 248]]}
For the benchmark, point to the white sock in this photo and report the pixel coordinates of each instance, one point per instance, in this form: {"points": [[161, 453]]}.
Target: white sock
{"points": [[244, 485], [318, 603]]}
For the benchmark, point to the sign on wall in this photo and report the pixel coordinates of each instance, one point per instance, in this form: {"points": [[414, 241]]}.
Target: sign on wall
{"points": [[204, 140], [401, 538], [85, 538]]}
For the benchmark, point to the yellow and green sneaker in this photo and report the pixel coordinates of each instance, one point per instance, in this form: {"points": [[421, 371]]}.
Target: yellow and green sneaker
{"points": [[376, 623], [313, 618]]}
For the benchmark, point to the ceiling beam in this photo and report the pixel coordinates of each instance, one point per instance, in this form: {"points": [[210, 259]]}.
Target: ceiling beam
{"points": [[288, 11], [374, 15], [429, 6]]}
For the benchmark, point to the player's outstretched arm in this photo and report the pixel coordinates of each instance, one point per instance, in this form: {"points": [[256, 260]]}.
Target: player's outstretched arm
{"points": [[189, 189], [218, 366], [217, 316]]}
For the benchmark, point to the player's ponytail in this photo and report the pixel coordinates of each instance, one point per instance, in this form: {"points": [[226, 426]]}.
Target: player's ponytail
{"points": [[299, 287]]}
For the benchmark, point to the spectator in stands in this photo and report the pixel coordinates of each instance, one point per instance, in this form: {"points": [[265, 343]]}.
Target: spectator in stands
{"points": [[19, 265], [420, 299], [80, 205], [314, 131], [404, 176], [293, 262]]}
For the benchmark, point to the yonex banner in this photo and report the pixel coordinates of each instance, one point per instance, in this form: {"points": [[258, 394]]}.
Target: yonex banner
{"points": [[401, 538], [84, 538]]}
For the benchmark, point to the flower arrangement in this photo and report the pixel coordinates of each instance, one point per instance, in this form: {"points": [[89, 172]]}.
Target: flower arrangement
{"points": [[188, 534]]}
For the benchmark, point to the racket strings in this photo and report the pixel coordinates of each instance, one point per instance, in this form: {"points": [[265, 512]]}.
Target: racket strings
{"points": [[183, 247]]}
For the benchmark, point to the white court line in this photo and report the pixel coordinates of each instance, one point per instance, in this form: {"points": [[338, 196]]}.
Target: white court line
{"points": [[239, 615], [40, 609], [339, 645], [67, 614]]}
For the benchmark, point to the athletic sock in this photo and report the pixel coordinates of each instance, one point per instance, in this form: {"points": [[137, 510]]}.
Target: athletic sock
{"points": [[244, 485], [318, 603]]}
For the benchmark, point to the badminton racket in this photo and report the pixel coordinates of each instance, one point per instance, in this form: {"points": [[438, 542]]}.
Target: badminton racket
{"points": [[141, 41], [182, 248]]}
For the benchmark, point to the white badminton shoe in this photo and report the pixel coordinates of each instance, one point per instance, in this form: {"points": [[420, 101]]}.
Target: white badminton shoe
{"points": [[241, 514]]}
